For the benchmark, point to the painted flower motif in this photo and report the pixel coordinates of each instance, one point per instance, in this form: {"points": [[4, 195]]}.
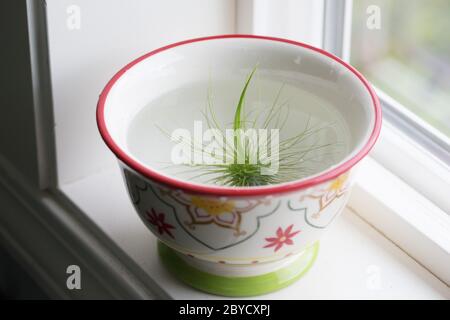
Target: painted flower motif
{"points": [[282, 238], [223, 213], [158, 220]]}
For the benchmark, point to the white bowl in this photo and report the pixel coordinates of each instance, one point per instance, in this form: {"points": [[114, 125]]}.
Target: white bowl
{"points": [[238, 231]]}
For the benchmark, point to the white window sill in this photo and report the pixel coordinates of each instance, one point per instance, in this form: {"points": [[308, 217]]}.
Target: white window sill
{"points": [[355, 261], [404, 216]]}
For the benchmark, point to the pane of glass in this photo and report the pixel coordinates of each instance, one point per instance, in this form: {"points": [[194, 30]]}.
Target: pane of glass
{"points": [[403, 47]]}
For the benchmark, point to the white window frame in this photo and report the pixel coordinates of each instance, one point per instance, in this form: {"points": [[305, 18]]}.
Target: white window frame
{"points": [[423, 234], [403, 188], [39, 213], [406, 136]]}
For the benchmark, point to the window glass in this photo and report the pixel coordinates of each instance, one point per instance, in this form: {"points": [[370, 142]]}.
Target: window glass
{"points": [[403, 48]]}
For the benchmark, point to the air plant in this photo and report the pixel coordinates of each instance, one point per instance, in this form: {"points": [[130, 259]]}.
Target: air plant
{"points": [[236, 167]]}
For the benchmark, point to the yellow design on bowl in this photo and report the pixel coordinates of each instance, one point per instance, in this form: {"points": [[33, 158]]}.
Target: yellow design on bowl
{"points": [[213, 207], [338, 183]]}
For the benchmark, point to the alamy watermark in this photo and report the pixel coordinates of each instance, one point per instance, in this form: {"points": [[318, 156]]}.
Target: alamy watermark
{"points": [[373, 280], [215, 147], [73, 20], [373, 21], [73, 281]]}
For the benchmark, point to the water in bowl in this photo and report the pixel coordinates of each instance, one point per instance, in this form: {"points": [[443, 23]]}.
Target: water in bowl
{"points": [[296, 109]]}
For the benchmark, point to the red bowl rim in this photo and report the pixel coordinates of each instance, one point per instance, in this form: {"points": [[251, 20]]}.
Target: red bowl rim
{"points": [[236, 191]]}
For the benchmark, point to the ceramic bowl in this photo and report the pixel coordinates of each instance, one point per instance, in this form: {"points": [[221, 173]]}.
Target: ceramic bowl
{"points": [[230, 240]]}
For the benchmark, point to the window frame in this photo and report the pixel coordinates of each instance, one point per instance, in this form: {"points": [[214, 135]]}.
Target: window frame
{"points": [[407, 139], [42, 229], [431, 150], [58, 215], [336, 38]]}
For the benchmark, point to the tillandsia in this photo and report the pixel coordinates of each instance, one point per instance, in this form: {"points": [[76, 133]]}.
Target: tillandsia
{"points": [[251, 152]]}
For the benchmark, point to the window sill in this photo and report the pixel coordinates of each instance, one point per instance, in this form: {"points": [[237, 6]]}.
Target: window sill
{"points": [[368, 263], [403, 215]]}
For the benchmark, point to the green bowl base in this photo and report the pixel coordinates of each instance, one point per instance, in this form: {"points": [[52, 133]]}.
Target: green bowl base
{"points": [[237, 286]]}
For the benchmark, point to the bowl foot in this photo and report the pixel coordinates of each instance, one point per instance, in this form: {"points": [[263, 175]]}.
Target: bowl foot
{"points": [[243, 285]]}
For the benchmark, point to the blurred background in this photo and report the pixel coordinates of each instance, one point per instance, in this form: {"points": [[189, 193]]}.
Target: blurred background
{"points": [[408, 57]]}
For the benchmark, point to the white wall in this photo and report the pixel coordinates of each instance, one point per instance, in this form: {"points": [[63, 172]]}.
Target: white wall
{"points": [[300, 20], [111, 33]]}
